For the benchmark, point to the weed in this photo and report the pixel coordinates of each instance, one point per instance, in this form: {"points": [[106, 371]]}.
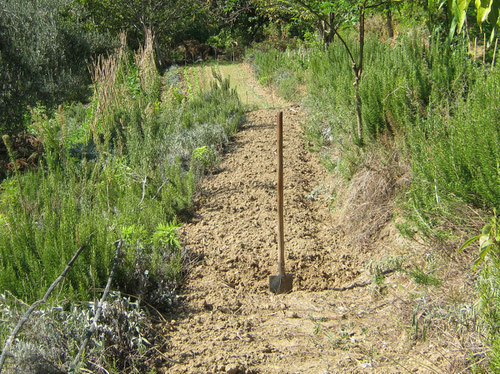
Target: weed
{"points": [[203, 158], [422, 278], [147, 155], [342, 340], [317, 328], [489, 284], [489, 240], [166, 234], [406, 229]]}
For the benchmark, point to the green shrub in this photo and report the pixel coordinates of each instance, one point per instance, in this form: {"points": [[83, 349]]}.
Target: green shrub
{"points": [[488, 304], [122, 168], [441, 109], [284, 71], [125, 167], [438, 104]]}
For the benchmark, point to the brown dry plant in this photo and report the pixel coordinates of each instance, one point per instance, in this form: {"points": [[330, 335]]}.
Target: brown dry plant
{"points": [[367, 200], [108, 94], [145, 62]]}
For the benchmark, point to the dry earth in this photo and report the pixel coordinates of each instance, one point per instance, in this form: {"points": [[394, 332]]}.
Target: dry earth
{"points": [[231, 323]]}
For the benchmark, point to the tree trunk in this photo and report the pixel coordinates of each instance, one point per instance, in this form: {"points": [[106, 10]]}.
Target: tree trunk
{"points": [[359, 118], [388, 15], [329, 32], [325, 30], [321, 31], [358, 71]]}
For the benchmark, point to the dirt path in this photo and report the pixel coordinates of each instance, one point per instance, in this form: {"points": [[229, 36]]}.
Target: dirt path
{"points": [[231, 323]]}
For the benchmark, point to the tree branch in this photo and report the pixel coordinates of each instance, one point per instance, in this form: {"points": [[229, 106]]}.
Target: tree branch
{"points": [[25, 317], [328, 23], [377, 5], [93, 326], [351, 57]]}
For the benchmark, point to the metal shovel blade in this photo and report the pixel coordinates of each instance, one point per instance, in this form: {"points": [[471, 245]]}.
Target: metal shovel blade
{"points": [[281, 283]]}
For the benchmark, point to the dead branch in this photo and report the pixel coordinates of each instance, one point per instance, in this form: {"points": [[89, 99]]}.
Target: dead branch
{"points": [[25, 317], [143, 189], [93, 326]]}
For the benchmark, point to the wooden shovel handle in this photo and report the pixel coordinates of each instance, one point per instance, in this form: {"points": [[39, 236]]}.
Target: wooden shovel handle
{"points": [[281, 242]]}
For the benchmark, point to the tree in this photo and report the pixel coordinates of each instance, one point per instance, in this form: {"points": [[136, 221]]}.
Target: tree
{"points": [[330, 16], [43, 48], [236, 20], [487, 12], [320, 14], [171, 21]]}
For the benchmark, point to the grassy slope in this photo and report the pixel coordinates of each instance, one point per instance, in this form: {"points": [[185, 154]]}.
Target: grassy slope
{"points": [[239, 79]]}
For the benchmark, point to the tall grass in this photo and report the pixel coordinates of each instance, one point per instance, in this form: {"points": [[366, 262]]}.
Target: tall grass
{"points": [[120, 168], [441, 111], [429, 96], [283, 70], [124, 167]]}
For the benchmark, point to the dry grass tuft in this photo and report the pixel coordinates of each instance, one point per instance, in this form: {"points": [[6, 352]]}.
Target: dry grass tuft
{"points": [[440, 316], [145, 62], [367, 201], [108, 94]]}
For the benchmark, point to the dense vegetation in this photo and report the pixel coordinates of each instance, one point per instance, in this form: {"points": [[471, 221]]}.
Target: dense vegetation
{"points": [[124, 142], [42, 57], [435, 99], [124, 167], [432, 102]]}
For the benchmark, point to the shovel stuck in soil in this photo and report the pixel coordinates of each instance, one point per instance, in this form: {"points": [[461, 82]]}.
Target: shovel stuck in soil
{"points": [[281, 283]]}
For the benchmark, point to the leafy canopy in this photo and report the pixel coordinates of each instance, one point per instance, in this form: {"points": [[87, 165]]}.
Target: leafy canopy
{"points": [[487, 12]]}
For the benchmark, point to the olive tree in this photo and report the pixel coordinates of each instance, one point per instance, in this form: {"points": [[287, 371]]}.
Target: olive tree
{"points": [[44, 45]]}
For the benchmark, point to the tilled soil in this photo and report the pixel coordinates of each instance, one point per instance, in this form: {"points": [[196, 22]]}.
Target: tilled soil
{"points": [[231, 323]]}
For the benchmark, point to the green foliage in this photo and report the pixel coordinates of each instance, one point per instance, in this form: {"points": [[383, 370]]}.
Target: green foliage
{"points": [[489, 240], [170, 21], [423, 278], [463, 141], [327, 17], [433, 99], [458, 8], [203, 157], [481, 18], [188, 83], [44, 46], [123, 167], [487, 11], [284, 71], [440, 109], [238, 21], [489, 284], [166, 235]]}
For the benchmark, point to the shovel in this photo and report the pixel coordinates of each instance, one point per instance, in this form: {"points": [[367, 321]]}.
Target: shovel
{"points": [[281, 283]]}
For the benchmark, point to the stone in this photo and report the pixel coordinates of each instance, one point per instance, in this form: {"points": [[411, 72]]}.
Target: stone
{"points": [[232, 369]]}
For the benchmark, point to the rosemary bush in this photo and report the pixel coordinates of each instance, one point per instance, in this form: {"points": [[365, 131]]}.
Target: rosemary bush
{"points": [[441, 111], [124, 167]]}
